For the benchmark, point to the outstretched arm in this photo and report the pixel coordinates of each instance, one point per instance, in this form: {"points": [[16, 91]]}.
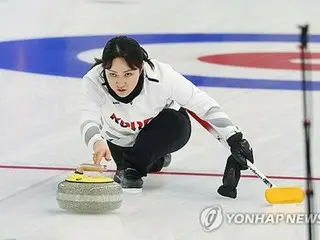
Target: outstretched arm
{"points": [[191, 97]]}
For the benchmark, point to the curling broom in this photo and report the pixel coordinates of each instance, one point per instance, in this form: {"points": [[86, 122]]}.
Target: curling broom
{"points": [[273, 194], [307, 124]]}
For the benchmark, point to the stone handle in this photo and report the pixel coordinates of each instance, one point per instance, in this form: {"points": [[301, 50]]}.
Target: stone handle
{"points": [[91, 168]]}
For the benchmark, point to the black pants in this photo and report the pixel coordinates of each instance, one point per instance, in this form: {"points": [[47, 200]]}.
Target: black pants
{"points": [[166, 133]]}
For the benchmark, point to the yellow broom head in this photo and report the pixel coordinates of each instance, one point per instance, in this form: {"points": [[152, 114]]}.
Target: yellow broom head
{"points": [[285, 195]]}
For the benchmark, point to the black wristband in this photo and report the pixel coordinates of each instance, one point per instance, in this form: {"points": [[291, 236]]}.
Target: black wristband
{"points": [[234, 139]]}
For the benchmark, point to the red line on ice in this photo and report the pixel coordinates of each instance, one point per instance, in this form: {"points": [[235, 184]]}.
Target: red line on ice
{"points": [[53, 168]]}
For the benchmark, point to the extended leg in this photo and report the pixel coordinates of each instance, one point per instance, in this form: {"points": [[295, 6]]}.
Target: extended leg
{"points": [[230, 178]]}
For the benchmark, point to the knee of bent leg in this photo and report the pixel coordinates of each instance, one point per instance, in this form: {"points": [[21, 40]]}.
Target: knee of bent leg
{"points": [[178, 123]]}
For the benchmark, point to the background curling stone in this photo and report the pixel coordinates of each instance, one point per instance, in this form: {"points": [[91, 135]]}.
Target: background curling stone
{"points": [[89, 194]]}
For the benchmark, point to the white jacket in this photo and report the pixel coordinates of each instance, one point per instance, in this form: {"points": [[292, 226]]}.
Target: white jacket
{"points": [[103, 117]]}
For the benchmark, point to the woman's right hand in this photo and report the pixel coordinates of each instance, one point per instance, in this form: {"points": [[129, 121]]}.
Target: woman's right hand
{"points": [[101, 150]]}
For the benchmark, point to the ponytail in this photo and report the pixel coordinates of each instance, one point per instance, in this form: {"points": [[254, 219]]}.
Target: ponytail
{"points": [[146, 57]]}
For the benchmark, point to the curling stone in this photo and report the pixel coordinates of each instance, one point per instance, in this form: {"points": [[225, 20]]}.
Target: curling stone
{"points": [[89, 194]]}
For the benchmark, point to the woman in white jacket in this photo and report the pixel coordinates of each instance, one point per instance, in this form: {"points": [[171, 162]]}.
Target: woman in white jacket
{"points": [[134, 111]]}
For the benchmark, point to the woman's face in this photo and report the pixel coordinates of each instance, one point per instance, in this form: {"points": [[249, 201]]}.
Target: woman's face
{"points": [[121, 78]]}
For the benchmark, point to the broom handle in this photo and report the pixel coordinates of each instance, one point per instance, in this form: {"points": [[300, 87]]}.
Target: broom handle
{"points": [[306, 123], [251, 166], [259, 174]]}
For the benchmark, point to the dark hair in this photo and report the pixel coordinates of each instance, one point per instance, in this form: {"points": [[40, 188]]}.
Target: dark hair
{"points": [[123, 47]]}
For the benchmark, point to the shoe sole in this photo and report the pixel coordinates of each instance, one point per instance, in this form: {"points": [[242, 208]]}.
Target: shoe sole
{"points": [[132, 190]]}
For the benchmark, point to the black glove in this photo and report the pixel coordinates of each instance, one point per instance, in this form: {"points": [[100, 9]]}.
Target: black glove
{"points": [[240, 150]]}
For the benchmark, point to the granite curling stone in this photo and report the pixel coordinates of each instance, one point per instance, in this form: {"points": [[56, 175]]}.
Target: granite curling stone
{"points": [[89, 194]]}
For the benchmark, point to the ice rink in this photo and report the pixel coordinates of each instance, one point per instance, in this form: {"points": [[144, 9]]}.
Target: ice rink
{"points": [[45, 48]]}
